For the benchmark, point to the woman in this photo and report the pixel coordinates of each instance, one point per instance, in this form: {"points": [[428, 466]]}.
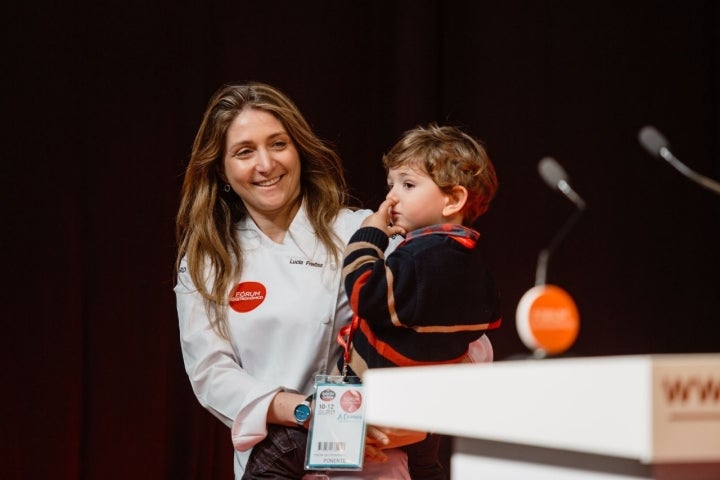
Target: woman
{"points": [[261, 226]]}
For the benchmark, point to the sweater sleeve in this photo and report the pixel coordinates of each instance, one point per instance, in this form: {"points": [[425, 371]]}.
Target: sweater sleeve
{"points": [[371, 282]]}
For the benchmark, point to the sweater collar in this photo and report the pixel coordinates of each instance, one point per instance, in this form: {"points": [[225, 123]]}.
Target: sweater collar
{"points": [[463, 235]]}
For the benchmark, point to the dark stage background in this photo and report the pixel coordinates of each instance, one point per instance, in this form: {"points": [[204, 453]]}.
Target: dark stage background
{"points": [[102, 103]]}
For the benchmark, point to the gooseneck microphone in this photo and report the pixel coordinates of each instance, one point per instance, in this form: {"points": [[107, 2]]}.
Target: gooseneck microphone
{"points": [[546, 318], [657, 146], [556, 178]]}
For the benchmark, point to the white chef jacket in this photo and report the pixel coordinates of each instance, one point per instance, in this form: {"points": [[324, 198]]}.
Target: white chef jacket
{"points": [[282, 343]]}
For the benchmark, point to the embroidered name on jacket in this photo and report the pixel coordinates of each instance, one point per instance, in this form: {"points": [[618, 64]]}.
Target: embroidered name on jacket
{"points": [[308, 263]]}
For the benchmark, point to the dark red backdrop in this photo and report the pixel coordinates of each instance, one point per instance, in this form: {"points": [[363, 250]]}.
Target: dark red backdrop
{"points": [[104, 99]]}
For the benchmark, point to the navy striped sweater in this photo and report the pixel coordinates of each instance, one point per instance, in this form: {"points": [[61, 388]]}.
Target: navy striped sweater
{"points": [[424, 304]]}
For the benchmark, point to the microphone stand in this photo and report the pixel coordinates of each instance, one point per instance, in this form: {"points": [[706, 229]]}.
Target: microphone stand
{"points": [[550, 328], [544, 256], [701, 180], [657, 146]]}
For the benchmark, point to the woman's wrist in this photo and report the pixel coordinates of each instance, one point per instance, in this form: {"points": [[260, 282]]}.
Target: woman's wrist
{"points": [[282, 408]]}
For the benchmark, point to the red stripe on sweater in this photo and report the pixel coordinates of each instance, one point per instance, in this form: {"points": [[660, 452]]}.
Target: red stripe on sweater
{"points": [[495, 324], [464, 241], [388, 352], [355, 294]]}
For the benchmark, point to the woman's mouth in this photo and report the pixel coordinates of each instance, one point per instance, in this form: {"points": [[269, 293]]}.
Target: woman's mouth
{"points": [[268, 183]]}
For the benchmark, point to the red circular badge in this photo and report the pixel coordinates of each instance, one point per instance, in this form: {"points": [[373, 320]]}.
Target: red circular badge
{"points": [[247, 296], [350, 401]]}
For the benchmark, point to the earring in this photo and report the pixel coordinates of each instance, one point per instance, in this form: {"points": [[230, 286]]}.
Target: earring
{"points": [[226, 188]]}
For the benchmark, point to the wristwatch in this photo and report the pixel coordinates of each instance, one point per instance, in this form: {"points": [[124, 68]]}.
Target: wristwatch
{"points": [[302, 411]]}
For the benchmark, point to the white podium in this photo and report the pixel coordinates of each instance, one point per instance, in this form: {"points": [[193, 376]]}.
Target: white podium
{"points": [[620, 417]]}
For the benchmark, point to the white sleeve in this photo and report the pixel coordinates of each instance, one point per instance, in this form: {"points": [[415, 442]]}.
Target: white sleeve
{"points": [[219, 382]]}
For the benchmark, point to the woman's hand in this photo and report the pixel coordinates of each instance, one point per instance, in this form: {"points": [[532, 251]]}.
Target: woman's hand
{"points": [[378, 439], [383, 220]]}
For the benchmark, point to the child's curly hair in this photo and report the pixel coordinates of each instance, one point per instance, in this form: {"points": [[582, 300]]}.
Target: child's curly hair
{"points": [[450, 157]]}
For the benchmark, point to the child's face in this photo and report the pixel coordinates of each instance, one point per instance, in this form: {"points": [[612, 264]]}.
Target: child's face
{"points": [[418, 201]]}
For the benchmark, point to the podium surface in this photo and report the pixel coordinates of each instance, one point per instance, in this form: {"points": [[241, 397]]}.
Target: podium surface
{"points": [[640, 416]]}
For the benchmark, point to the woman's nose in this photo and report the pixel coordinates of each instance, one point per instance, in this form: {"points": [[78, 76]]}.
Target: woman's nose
{"points": [[264, 160]]}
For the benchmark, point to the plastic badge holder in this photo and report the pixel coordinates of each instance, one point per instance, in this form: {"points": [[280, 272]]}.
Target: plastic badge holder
{"points": [[336, 436]]}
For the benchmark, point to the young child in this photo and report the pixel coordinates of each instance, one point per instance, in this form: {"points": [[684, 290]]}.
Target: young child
{"points": [[433, 295]]}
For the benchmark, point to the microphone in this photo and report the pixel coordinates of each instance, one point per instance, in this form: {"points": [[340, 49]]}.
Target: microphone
{"points": [[547, 319], [657, 146], [556, 178]]}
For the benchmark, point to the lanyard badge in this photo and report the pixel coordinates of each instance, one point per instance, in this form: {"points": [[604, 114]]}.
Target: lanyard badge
{"points": [[336, 436]]}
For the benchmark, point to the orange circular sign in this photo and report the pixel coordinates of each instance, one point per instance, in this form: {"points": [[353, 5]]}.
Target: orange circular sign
{"points": [[547, 320], [247, 296]]}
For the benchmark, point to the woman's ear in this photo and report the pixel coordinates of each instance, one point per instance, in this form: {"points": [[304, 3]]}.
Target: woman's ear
{"points": [[455, 201], [221, 173]]}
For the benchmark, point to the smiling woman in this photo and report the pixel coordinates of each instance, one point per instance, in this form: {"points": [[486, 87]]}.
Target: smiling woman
{"points": [[262, 166], [262, 222]]}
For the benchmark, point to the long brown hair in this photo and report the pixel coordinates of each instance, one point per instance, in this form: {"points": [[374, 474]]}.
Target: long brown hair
{"points": [[206, 215]]}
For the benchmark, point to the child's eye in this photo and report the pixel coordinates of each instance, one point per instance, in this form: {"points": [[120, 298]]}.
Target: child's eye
{"points": [[408, 185]]}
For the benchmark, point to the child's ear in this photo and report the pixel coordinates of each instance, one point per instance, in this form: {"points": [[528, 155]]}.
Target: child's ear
{"points": [[455, 200]]}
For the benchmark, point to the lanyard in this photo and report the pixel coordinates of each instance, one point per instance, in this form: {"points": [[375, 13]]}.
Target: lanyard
{"points": [[344, 338]]}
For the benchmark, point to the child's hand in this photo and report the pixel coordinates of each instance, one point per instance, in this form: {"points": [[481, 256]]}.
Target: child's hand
{"points": [[382, 220], [379, 438]]}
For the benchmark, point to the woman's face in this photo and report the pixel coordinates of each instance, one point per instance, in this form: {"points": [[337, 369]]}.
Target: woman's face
{"points": [[262, 164]]}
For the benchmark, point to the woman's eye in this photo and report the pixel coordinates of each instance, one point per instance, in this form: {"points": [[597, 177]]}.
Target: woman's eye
{"points": [[279, 145], [243, 152]]}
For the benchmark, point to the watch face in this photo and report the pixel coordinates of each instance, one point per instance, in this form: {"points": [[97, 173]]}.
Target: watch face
{"points": [[302, 413]]}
